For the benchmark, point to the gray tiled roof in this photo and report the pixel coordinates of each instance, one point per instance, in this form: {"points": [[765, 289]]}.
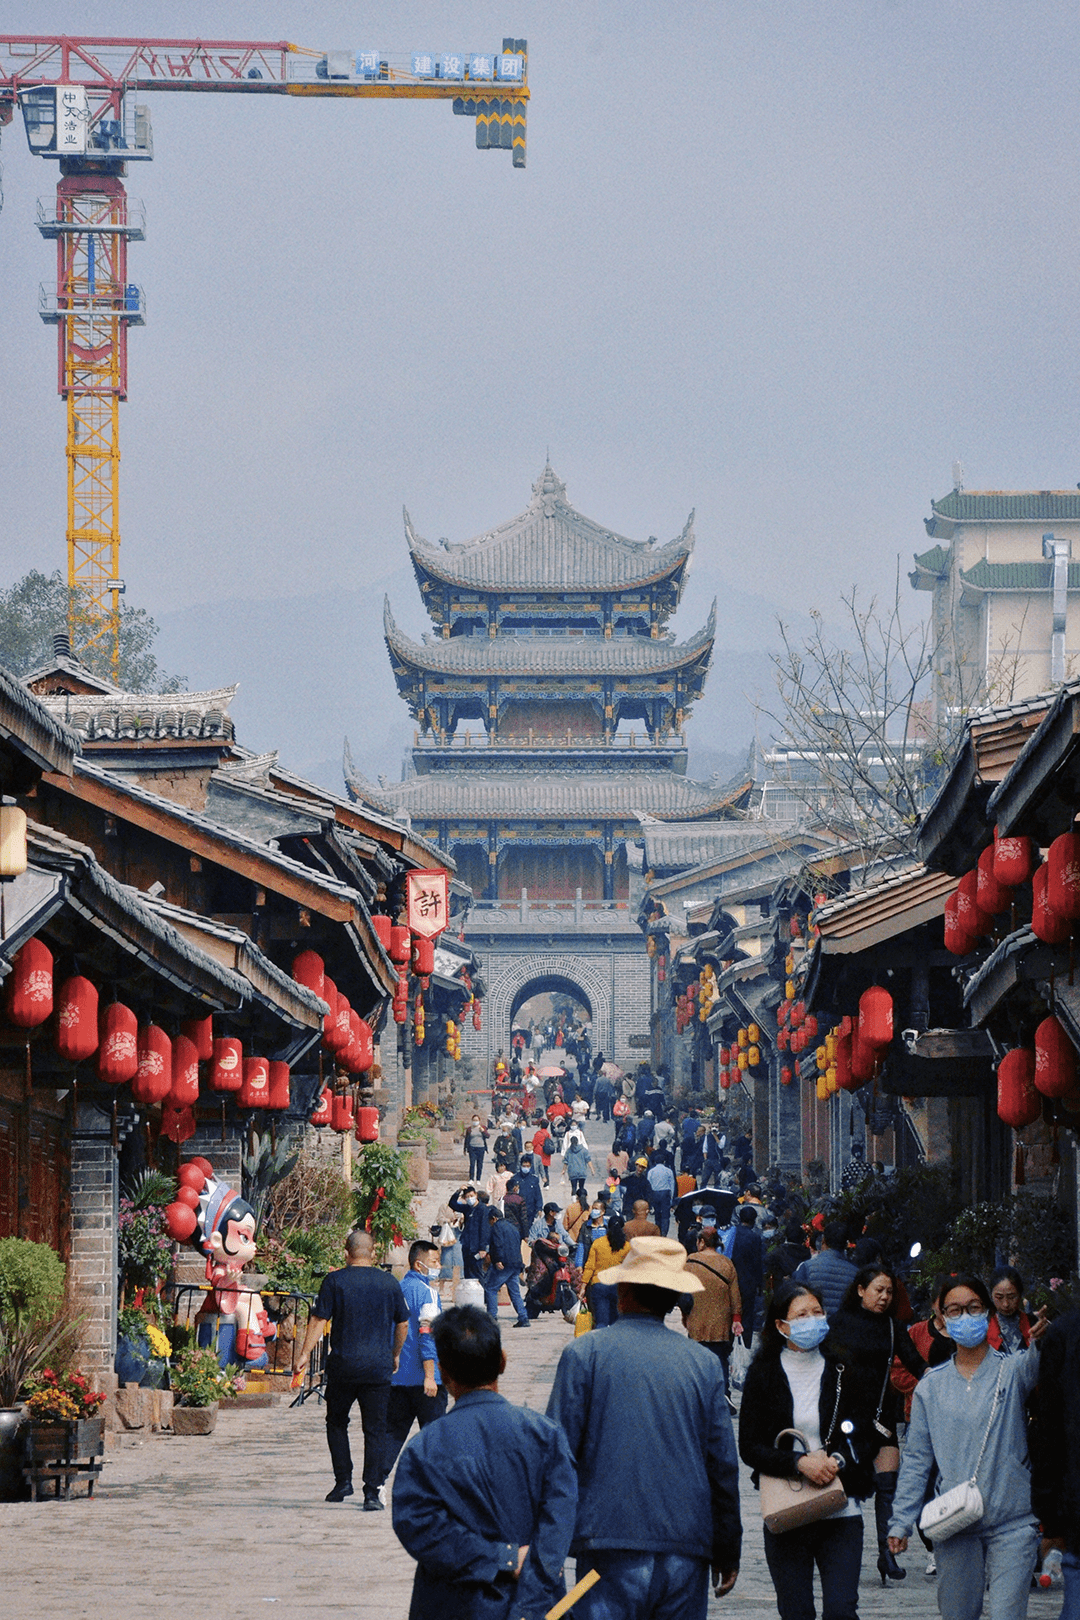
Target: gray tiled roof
{"points": [[547, 655], [696, 843], [1003, 505], [551, 547], [570, 796], [28, 723], [131, 715]]}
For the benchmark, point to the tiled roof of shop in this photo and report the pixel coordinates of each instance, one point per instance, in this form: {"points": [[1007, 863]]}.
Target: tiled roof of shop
{"points": [[1005, 505], [134, 715], [33, 727], [548, 655], [686, 844], [568, 795], [551, 547]]}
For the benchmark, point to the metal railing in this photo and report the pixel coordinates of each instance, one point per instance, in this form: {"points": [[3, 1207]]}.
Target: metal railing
{"points": [[558, 739], [187, 1300]]}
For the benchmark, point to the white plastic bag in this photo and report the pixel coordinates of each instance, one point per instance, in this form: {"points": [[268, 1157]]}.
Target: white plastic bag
{"points": [[740, 1360]]}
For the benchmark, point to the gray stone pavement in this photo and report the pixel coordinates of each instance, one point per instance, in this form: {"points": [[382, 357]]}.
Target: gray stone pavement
{"points": [[234, 1525]]}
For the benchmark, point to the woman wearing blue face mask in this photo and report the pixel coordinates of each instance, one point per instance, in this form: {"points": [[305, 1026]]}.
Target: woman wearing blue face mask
{"points": [[978, 1395], [793, 1383]]}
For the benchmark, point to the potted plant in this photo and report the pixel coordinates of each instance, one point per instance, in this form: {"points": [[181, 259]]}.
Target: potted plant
{"points": [[144, 1248], [65, 1416], [198, 1383], [382, 1197], [31, 1296], [142, 1347]]}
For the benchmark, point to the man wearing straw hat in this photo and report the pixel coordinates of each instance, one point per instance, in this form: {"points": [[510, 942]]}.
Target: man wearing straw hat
{"points": [[658, 1497]]}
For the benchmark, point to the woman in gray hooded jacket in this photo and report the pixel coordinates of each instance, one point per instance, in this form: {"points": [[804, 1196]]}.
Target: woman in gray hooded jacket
{"points": [[978, 1395]]}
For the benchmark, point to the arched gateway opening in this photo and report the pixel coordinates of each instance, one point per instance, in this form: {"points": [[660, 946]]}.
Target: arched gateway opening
{"points": [[548, 1002], [564, 978]]}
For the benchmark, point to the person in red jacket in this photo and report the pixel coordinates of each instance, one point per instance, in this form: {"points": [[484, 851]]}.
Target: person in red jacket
{"points": [[541, 1141]]}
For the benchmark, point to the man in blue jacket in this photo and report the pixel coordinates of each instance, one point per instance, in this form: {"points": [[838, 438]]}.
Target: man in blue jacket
{"points": [[504, 1267], [658, 1497], [748, 1258], [530, 1189], [473, 1205], [829, 1271], [485, 1500]]}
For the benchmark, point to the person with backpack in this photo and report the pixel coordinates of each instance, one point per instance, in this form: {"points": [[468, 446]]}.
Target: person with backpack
{"points": [[543, 1146]]}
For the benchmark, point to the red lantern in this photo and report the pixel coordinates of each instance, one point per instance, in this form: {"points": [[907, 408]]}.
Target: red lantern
{"points": [[1063, 876], [153, 1077], [863, 1058], [1015, 859], [201, 1031], [798, 1014], [30, 993], [725, 1079], [341, 1111], [786, 1077], [1046, 923], [423, 956], [227, 1064], [184, 1087], [876, 1018], [367, 1124], [956, 941], [383, 927], [990, 895], [971, 919], [1019, 1104], [255, 1087], [77, 1020], [783, 1040], [279, 1086], [343, 1033], [811, 1028], [400, 944], [309, 969], [783, 1013], [181, 1222], [118, 1044], [323, 1108], [476, 1023], [796, 931], [365, 1038], [1055, 1060]]}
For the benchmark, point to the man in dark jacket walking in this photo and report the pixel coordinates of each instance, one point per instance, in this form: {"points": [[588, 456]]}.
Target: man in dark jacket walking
{"points": [[504, 1267], [652, 1530], [486, 1507], [830, 1271], [748, 1258], [530, 1189]]}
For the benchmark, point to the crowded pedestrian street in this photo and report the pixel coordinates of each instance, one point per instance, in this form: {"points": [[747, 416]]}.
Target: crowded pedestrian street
{"points": [[237, 1520]]}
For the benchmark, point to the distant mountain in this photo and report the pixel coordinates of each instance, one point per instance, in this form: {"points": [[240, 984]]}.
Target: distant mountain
{"points": [[313, 670]]}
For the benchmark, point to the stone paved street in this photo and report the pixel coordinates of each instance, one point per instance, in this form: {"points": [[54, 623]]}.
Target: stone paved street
{"points": [[235, 1526]]}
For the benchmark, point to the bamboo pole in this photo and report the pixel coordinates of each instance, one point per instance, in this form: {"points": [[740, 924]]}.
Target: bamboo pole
{"points": [[564, 1605]]}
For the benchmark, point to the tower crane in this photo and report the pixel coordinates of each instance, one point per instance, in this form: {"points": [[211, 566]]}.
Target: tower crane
{"points": [[77, 100]]}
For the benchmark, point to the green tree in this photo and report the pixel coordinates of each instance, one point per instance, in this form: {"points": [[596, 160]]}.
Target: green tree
{"points": [[35, 609]]}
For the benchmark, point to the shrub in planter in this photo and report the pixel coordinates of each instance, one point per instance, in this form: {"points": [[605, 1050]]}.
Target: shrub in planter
{"points": [[198, 1381], [31, 1281]]}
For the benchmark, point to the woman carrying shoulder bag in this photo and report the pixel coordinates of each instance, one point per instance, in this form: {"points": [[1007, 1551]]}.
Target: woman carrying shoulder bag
{"points": [[792, 1384], [968, 1422]]}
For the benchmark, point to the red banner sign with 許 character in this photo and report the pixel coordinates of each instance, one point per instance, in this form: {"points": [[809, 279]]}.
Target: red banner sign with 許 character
{"points": [[429, 894]]}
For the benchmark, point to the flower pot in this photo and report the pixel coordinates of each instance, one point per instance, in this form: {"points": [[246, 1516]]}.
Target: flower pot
{"points": [[194, 1419], [132, 1357], [53, 1439], [13, 1487]]}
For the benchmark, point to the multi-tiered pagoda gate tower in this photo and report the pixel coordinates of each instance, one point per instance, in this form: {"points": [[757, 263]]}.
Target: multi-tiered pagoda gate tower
{"points": [[550, 705]]}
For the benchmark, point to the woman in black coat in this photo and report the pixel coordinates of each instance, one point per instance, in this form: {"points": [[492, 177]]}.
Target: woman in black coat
{"points": [[794, 1382], [866, 1337]]}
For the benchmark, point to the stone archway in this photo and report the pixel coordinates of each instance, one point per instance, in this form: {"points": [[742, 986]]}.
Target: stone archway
{"points": [[553, 984], [577, 975]]}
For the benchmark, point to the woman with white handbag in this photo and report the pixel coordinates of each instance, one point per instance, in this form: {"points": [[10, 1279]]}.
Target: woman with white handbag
{"points": [[968, 1422], [800, 1435]]}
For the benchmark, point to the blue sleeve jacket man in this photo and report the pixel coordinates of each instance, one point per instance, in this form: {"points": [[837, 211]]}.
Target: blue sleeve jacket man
{"points": [[530, 1189], [474, 1233], [418, 1347], [645, 1486], [748, 1258], [830, 1274], [494, 1478]]}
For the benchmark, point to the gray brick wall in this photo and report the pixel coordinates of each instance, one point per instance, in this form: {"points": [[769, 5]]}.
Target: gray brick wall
{"points": [[94, 1215]]}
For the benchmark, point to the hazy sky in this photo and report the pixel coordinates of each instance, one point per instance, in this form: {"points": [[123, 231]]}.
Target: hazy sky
{"points": [[781, 263]]}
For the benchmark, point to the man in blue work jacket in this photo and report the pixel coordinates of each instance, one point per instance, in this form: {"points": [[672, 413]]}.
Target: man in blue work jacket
{"points": [[485, 1500], [504, 1267], [416, 1390], [652, 1532]]}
